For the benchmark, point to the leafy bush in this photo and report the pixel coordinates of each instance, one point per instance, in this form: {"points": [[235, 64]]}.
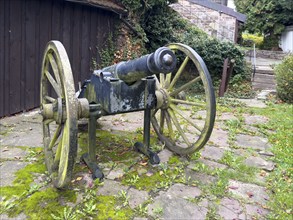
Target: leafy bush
{"points": [[284, 78], [250, 39], [214, 52], [271, 42]]}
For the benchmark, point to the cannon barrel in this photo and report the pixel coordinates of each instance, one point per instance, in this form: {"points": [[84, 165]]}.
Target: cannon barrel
{"points": [[162, 60]]}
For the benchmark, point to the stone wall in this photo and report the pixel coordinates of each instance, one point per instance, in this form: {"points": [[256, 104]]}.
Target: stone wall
{"points": [[212, 22]]}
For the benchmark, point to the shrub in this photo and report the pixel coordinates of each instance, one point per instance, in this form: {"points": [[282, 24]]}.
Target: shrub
{"points": [[284, 78], [250, 39], [214, 52]]}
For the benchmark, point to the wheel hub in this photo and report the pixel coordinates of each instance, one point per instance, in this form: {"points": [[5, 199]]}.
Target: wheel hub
{"points": [[163, 99], [57, 110]]}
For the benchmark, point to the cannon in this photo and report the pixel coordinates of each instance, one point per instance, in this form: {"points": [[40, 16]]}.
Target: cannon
{"points": [[158, 84]]}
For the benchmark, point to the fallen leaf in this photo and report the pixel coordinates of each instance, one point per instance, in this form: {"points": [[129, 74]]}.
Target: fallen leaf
{"points": [[263, 173], [233, 187], [79, 178], [250, 194], [143, 163], [149, 173], [17, 157]]}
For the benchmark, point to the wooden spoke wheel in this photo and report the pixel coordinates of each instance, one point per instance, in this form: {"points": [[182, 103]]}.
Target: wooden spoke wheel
{"points": [[186, 107], [59, 108]]}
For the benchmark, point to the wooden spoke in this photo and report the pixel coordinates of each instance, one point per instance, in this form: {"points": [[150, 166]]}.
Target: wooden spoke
{"points": [[49, 99], [48, 121], [167, 80], [55, 137], [58, 154], [169, 124], [180, 70], [174, 108], [179, 101], [54, 68], [162, 119], [178, 127], [53, 83], [162, 80], [185, 86]]}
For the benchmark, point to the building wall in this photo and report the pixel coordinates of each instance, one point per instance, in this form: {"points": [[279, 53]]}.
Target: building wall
{"points": [[25, 28], [212, 22], [286, 42]]}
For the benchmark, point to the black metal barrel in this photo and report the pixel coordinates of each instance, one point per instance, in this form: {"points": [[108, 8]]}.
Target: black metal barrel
{"points": [[162, 60]]}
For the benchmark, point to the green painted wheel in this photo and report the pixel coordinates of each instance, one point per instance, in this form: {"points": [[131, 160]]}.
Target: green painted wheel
{"points": [[186, 107], [59, 108]]}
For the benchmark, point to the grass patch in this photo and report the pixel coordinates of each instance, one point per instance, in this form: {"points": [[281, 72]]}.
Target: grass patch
{"points": [[280, 180]]}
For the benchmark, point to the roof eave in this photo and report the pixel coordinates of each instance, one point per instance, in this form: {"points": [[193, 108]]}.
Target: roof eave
{"points": [[118, 9]]}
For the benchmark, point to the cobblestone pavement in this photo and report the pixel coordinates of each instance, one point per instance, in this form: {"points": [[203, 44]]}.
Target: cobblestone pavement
{"points": [[207, 185]]}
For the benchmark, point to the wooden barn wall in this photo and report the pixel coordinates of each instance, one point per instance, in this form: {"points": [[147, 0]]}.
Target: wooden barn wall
{"points": [[25, 28]]}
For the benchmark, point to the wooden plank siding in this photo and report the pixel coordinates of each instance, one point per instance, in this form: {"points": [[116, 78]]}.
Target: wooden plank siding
{"points": [[2, 56], [25, 28]]}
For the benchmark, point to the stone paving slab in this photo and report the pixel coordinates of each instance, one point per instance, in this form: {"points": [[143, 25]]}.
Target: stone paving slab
{"points": [[209, 163], [202, 178], [212, 153], [231, 209], [137, 197], [8, 169], [245, 201], [24, 130], [219, 138], [255, 211], [226, 116], [254, 103], [11, 153], [260, 163], [175, 205], [254, 119], [249, 192], [253, 142]]}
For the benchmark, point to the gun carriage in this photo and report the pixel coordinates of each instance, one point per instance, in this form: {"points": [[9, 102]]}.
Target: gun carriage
{"points": [[154, 83]]}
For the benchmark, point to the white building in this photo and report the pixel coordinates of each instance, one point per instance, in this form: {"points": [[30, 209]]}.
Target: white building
{"points": [[286, 41]]}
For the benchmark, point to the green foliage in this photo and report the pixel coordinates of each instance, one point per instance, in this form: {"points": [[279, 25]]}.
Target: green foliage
{"points": [[240, 87], [266, 16], [160, 26], [271, 42], [214, 52], [284, 78], [107, 54], [250, 39]]}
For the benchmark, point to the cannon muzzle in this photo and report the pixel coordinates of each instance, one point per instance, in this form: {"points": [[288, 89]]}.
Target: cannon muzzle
{"points": [[162, 60]]}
